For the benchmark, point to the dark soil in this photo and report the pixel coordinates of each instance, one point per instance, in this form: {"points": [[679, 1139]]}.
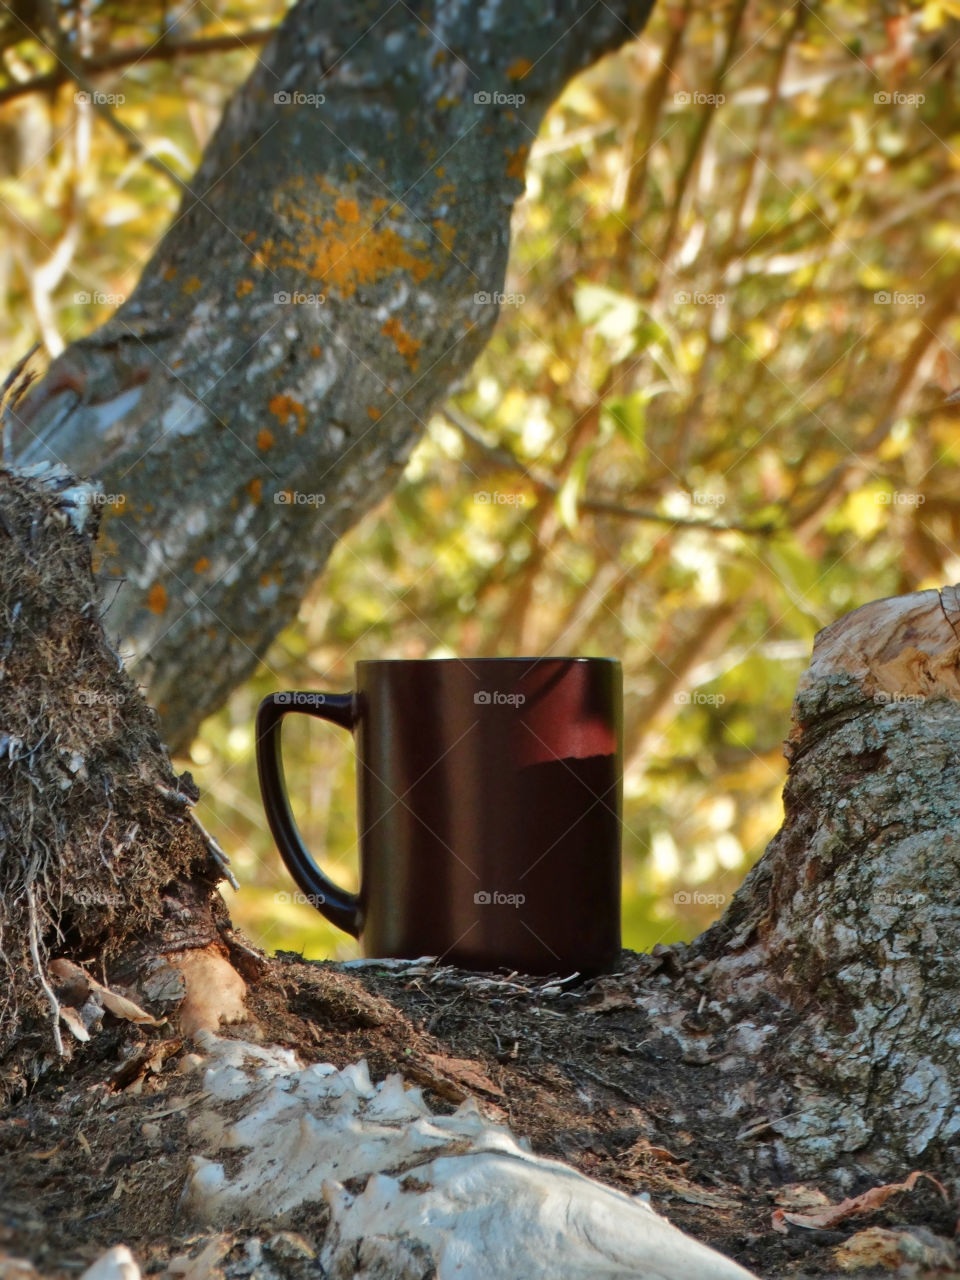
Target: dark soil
{"points": [[575, 1067]]}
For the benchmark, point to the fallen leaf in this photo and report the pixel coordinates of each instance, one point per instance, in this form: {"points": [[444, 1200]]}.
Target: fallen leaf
{"points": [[74, 1022], [797, 1195], [121, 1007], [464, 1071], [77, 980], [830, 1215]]}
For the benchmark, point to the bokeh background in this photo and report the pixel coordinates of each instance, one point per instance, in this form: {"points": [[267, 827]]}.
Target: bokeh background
{"points": [[712, 418]]}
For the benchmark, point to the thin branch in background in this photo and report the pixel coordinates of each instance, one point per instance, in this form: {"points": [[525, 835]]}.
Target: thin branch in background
{"points": [[711, 632], [749, 195], [641, 137], [701, 129], [73, 70], [853, 468], [117, 59], [502, 457]]}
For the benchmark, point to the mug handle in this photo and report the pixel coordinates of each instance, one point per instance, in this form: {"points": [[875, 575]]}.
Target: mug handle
{"points": [[341, 907]]}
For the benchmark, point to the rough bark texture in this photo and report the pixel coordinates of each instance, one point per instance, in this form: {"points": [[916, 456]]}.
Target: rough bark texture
{"points": [[99, 851], [838, 962], [207, 399]]}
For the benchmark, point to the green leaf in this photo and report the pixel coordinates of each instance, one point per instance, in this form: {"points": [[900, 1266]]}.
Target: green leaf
{"points": [[568, 499], [614, 315], [628, 414]]}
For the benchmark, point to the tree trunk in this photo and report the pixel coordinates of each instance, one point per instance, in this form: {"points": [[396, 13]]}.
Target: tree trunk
{"points": [[332, 269], [810, 1034], [838, 961]]}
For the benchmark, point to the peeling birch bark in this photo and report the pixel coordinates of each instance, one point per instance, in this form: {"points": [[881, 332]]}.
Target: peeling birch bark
{"points": [[450, 1195]]}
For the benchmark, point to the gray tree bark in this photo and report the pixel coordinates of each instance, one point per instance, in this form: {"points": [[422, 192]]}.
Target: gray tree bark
{"points": [[239, 424], [827, 993]]}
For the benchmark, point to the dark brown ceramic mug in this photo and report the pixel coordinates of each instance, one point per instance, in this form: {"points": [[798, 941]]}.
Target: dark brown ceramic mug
{"points": [[490, 798]]}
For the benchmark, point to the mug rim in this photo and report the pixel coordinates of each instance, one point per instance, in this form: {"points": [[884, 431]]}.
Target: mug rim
{"points": [[373, 662]]}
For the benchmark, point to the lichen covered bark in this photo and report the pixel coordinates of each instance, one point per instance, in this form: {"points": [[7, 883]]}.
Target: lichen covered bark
{"points": [[838, 963], [326, 279]]}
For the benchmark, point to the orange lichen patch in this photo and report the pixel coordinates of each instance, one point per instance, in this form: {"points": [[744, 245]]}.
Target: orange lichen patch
{"points": [[211, 633], [191, 285], [352, 172], [519, 68], [373, 412], [516, 162], [266, 579], [264, 439], [157, 598], [325, 185], [244, 287], [440, 170], [445, 233], [405, 342], [379, 204], [249, 237], [346, 255], [346, 210], [170, 273], [316, 352], [255, 488], [261, 259], [447, 188], [201, 565], [281, 406]]}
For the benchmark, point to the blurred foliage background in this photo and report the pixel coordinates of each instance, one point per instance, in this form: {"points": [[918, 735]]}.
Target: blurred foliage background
{"points": [[711, 421]]}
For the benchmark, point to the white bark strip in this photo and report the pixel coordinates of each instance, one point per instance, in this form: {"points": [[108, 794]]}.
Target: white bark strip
{"points": [[455, 1192]]}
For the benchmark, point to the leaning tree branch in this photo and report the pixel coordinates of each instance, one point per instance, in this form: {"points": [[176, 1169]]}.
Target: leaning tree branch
{"points": [[327, 277]]}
